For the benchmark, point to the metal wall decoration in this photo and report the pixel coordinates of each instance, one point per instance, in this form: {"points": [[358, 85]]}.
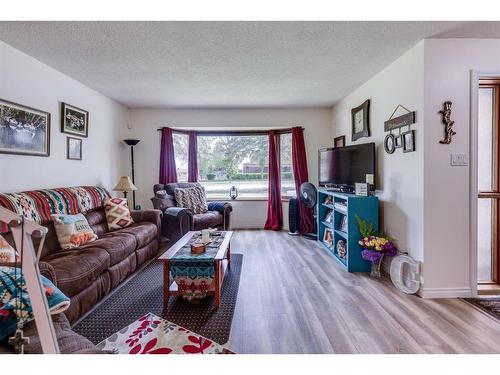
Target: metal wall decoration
{"points": [[448, 123], [405, 140]]}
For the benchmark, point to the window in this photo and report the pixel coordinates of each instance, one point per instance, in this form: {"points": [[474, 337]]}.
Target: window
{"points": [[181, 155], [233, 160], [287, 181], [240, 160]]}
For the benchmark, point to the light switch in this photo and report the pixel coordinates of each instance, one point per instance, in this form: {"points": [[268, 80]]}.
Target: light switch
{"points": [[459, 160]]}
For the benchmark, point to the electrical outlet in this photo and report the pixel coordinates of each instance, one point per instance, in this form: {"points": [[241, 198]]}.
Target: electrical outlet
{"points": [[459, 160]]}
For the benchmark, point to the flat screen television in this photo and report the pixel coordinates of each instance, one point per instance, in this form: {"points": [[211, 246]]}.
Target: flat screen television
{"points": [[341, 167]]}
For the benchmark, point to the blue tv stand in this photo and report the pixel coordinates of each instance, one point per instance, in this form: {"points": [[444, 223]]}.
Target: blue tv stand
{"points": [[348, 206]]}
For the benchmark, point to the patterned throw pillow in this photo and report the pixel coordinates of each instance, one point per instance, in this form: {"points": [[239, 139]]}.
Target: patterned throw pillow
{"points": [[117, 213], [73, 230], [193, 198], [7, 252]]}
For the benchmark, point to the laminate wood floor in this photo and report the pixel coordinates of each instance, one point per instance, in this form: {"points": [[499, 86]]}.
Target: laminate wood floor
{"points": [[295, 298]]}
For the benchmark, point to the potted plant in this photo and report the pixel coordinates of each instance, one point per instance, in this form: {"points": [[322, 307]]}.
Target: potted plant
{"points": [[374, 247]]}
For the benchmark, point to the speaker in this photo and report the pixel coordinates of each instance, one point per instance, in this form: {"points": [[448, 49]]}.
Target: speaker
{"points": [[293, 216]]}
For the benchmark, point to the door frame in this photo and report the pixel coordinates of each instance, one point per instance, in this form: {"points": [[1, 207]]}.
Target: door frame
{"points": [[475, 77]]}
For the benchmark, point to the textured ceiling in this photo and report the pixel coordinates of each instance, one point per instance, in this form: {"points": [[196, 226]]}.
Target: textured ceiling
{"points": [[222, 64]]}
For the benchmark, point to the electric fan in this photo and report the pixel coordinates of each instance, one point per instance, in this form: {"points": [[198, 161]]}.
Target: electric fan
{"points": [[309, 197]]}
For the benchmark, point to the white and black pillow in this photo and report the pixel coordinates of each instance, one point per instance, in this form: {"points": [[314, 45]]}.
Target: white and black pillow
{"points": [[193, 198]]}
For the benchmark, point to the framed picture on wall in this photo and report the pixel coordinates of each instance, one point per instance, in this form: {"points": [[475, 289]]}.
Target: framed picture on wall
{"points": [[74, 120], [73, 148], [339, 141], [24, 130], [360, 118], [408, 141], [398, 141], [390, 143]]}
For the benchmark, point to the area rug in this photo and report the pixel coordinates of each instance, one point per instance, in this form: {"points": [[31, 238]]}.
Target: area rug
{"points": [[151, 334], [489, 305], [144, 293]]}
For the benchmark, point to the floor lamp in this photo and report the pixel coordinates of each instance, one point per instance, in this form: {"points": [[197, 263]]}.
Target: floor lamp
{"points": [[132, 143]]}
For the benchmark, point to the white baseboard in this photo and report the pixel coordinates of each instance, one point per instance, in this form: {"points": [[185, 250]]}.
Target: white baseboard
{"points": [[251, 225], [435, 292], [445, 292], [247, 225]]}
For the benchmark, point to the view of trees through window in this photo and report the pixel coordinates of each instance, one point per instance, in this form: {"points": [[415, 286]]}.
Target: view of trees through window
{"points": [[235, 160], [224, 161], [181, 155], [287, 182]]}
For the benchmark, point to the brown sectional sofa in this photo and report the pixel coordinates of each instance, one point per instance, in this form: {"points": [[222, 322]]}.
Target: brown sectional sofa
{"points": [[90, 272]]}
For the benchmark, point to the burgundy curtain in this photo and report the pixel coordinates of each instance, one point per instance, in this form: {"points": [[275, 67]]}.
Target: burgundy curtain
{"points": [[274, 208], [192, 157], [168, 172], [299, 165]]}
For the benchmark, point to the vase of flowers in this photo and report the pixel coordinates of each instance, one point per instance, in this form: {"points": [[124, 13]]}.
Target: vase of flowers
{"points": [[374, 247]]}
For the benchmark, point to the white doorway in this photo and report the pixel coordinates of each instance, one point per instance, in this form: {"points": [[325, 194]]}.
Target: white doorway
{"points": [[485, 185]]}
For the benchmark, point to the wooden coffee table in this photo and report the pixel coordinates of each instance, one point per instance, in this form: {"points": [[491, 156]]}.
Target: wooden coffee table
{"points": [[222, 262]]}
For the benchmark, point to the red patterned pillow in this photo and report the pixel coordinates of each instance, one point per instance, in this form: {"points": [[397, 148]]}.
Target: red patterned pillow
{"points": [[117, 213]]}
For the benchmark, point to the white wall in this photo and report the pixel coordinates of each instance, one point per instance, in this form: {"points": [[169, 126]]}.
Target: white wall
{"points": [[447, 77], [246, 214], [399, 177], [29, 82], [425, 201]]}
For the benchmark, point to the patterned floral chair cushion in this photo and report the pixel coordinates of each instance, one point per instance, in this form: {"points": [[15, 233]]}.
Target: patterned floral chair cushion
{"points": [[193, 198]]}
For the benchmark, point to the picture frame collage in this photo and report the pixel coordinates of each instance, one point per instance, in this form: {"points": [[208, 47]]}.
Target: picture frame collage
{"points": [[404, 139], [26, 130], [74, 121]]}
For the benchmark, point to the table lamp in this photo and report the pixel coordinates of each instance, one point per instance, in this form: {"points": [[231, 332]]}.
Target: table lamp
{"points": [[125, 185]]}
